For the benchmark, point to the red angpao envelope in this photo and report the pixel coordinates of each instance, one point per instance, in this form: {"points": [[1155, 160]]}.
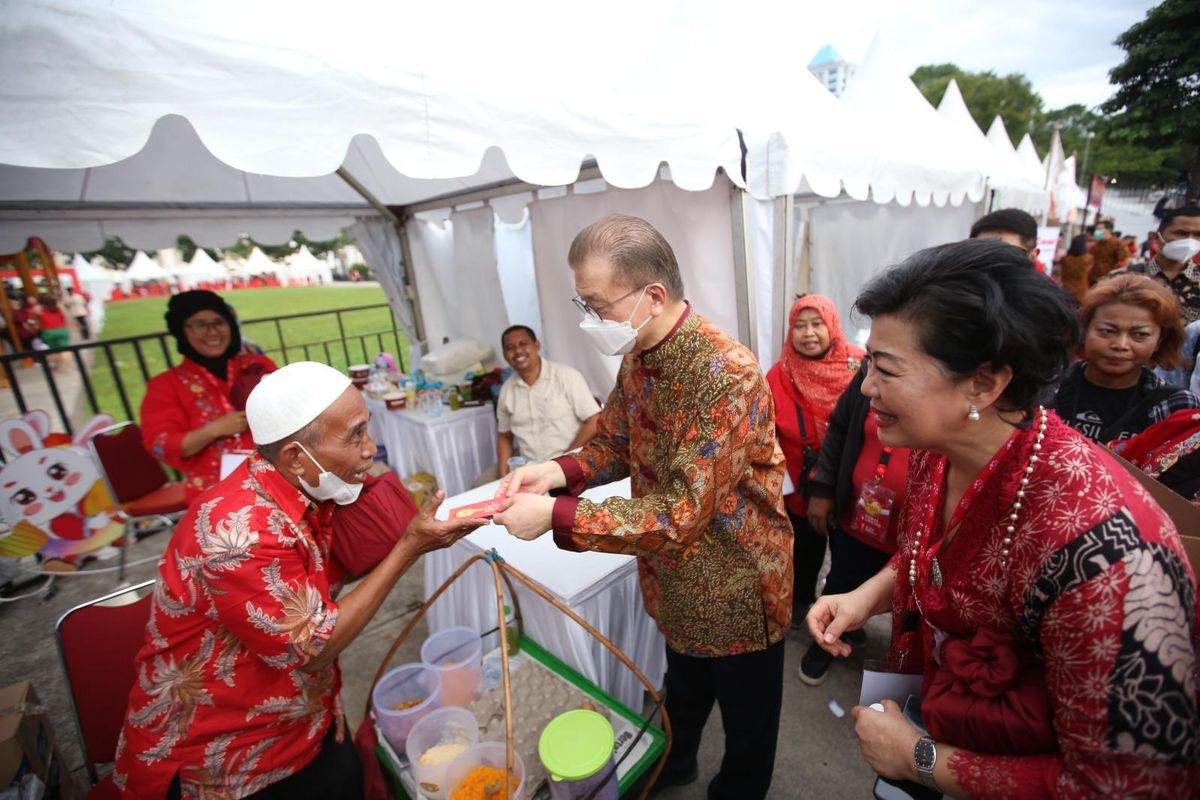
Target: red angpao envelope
{"points": [[483, 510]]}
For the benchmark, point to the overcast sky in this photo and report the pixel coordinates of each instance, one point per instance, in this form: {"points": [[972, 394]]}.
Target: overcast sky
{"points": [[1063, 46]]}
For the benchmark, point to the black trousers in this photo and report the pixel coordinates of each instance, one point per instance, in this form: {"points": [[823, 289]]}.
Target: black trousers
{"points": [[749, 690], [851, 563], [334, 774], [808, 554]]}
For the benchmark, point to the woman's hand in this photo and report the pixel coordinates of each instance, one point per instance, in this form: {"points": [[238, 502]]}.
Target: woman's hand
{"points": [[425, 532], [820, 514], [527, 516], [835, 614], [886, 740], [533, 479], [230, 424]]}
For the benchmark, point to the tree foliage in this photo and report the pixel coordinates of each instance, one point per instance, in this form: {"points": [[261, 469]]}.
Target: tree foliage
{"points": [[1157, 102], [1011, 96], [115, 252]]}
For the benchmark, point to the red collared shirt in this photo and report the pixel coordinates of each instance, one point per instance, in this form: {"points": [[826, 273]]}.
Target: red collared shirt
{"points": [[242, 603]]}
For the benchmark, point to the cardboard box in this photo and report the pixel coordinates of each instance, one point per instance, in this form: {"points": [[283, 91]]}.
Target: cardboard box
{"points": [[1185, 515], [26, 738]]}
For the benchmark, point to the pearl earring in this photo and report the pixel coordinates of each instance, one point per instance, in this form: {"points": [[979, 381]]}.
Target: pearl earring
{"points": [[973, 412]]}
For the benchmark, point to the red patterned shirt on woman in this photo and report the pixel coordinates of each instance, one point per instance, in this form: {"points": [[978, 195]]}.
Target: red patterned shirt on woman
{"points": [[243, 602], [187, 397], [692, 424], [1097, 597]]}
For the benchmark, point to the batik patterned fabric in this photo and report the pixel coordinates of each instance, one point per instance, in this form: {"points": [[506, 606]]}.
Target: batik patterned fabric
{"points": [[691, 422], [1097, 586], [241, 605], [185, 398]]}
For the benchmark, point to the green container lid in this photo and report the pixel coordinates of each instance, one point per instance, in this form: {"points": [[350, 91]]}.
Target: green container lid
{"points": [[576, 745]]}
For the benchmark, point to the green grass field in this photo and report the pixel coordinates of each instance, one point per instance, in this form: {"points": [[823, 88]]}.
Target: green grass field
{"points": [[366, 332]]}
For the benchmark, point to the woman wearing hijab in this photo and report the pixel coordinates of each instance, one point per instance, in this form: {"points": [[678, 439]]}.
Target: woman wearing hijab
{"points": [[814, 368], [195, 412]]}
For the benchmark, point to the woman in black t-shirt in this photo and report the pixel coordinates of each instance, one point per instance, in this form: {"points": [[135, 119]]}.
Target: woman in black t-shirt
{"points": [[1131, 324]]}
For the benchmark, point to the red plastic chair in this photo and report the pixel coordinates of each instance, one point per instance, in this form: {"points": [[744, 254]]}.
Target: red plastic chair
{"points": [[99, 642], [135, 479]]}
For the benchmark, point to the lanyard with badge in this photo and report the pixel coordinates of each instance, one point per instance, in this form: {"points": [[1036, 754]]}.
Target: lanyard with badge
{"points": [[873, 508]]}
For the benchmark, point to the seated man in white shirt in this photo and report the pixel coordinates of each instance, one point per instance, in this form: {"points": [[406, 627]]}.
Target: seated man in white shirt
{"points": [[545, 409]]}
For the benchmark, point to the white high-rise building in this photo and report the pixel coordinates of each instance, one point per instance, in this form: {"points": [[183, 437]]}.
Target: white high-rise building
{"points": [[831, 69]]}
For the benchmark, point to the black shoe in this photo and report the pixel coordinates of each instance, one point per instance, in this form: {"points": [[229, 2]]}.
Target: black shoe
{"points": [[814, 666], [856, 638], [670, 777]]}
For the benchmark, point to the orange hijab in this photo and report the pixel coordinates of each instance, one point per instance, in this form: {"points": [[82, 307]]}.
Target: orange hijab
{"points": [[819, 382]]}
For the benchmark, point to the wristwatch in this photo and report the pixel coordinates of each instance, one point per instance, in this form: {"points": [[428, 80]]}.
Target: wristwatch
{"points": [[925, 759]]}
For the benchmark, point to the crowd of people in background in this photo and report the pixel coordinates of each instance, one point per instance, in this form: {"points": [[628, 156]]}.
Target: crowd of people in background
{"points": [[46, 321]]}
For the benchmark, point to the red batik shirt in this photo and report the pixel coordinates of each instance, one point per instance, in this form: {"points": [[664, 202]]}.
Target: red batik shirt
{"points": [[1097, 588], [187, 397], [243, 602]]}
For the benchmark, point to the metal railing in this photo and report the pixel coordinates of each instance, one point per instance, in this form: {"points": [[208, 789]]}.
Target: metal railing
{"points": [[111, 374]]}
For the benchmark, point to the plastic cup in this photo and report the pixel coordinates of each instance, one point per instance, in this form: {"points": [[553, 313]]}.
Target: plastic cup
{"points": [[487, 754], [446, 726], [576, 748], [516, 461], [404, 684], [457, 655]]}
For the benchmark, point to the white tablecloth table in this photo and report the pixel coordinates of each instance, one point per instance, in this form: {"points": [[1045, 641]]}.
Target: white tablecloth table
{"points": [[600, 587], [455, 448]]}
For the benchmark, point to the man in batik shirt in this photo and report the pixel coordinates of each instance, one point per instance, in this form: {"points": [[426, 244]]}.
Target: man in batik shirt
{"points": [[691, 423], [237, 690]]}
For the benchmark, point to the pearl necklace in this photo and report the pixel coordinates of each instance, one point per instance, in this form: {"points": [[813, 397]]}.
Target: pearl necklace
{"points": [[1013, 513]]}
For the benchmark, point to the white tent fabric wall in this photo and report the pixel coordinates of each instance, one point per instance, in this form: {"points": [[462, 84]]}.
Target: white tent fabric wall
{"points": [[696, 224], [431, 243], [766, 304], [852, 242], [514, 261], [380, 244], [478, 297]]}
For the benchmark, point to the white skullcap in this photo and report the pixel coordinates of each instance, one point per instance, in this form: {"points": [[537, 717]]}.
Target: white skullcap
{"points": [[291, 397]]}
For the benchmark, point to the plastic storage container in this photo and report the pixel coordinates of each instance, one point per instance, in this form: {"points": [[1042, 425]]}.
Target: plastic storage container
{"points": [[402, 685], [442, 729], [486, 754], [457, 655], [576, 749]]}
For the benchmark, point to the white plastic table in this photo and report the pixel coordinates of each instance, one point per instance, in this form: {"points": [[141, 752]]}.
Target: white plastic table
{"points": [[602, 588], [455, 447]]}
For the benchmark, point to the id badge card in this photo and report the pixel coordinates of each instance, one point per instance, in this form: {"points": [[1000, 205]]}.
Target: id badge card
{"points": [[873, 510]]}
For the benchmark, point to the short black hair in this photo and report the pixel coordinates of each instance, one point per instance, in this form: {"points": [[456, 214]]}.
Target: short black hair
{"points": [[1008, 220], [1171, 213], [976, 303], [512, 328], [1105, 223]]}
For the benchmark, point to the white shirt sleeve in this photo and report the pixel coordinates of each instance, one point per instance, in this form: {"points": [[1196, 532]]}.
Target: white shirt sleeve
{"points": [[582, 401], [503, 414]]}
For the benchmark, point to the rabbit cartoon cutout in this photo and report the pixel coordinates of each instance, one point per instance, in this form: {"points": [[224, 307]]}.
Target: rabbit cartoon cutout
{"points": [[51, 495]]}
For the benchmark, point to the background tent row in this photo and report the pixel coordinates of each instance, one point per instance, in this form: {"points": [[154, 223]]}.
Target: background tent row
{"points": [[463, 164]]}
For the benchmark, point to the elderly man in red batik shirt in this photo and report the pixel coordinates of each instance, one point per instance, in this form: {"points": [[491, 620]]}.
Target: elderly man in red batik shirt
{"points": [[238, 682], [692, 424]]}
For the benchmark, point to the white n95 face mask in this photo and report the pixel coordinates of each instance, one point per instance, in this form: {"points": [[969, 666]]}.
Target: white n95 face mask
{"points": [[1181, 249], [330, 486], [613, 338]]}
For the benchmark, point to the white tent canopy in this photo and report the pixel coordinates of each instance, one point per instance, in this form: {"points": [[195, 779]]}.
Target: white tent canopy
{"points": [[259, 264], [144, 268], [1003, 173], [305, 265]]}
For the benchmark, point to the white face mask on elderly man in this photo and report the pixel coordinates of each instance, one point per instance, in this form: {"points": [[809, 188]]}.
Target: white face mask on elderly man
{"points": [[330, 486], [613, 338]]}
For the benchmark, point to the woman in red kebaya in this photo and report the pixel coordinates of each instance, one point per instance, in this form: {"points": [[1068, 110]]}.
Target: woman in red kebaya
{"points": [[195, 412]]}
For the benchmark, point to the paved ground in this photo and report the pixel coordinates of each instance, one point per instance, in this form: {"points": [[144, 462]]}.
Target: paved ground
{"points": [[817, 756]]}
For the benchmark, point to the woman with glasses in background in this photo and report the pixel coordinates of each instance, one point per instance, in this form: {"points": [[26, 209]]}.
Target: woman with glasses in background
{"points": [[195, 412]]}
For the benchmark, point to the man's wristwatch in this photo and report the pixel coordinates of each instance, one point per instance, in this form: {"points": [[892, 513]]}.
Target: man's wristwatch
{"points": [[925, 759]]}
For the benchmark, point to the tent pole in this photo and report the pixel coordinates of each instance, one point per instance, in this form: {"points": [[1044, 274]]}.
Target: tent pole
{"points": [[743, 266], [410, 289], [784, 271]]}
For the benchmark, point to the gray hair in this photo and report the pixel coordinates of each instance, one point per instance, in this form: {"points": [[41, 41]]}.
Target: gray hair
{"points": [[640, 255]]}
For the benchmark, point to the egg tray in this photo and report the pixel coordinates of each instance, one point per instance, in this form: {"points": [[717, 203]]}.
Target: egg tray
{"points": [[538, 696]]}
